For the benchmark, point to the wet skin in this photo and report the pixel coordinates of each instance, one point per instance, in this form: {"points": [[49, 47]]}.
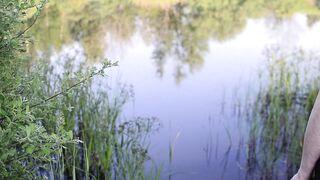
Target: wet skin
{"points": [[311, 146]]}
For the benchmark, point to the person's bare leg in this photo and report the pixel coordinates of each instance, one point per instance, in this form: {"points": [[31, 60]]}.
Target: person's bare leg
{"points": [[311, 145]]}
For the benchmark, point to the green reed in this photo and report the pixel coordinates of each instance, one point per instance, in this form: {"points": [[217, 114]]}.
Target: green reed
{"points": [[280, 112], [110, 147]]}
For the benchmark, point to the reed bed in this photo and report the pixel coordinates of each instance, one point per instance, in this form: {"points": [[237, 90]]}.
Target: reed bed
{"points": [[110, 147], [280, 109]]}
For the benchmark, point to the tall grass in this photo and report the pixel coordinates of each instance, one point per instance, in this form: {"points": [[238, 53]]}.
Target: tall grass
{"points": [[280, 112], [111, 147]]}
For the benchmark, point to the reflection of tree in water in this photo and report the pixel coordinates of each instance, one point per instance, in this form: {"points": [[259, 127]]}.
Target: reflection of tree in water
{"points": [[313, 20], [178, 40], [280, 111], [86, 27], [178, 30], [87, 22], [182, 33], [49, 31]]}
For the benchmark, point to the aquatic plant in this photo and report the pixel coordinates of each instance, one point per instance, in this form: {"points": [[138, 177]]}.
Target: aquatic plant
{"points": [[280, 112], [111, 147]]}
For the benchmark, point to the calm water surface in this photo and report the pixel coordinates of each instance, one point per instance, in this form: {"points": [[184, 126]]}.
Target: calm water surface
{"points": [[192, 80]]}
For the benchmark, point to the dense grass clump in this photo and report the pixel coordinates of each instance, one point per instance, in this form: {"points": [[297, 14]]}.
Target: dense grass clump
{"points": [[111, 147], [280, 112]]}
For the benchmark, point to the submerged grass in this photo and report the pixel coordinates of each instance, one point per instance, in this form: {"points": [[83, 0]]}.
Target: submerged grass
{"points": [[280, 112]]}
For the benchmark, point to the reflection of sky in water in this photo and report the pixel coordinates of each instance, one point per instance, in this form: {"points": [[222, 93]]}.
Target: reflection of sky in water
{"points": [[185, 109], [229, 68]]}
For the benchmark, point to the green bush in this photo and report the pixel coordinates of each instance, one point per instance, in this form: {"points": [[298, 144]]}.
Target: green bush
{"points": [[37, 129], [26, 144]]}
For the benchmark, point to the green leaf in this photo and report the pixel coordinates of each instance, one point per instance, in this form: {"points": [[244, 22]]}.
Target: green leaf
{"points": [[45, 151], [30, 129], [30, 149], [70, 134], [27, 109]]}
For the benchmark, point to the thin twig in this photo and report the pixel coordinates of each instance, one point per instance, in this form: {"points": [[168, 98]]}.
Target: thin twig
{"points": [[73, 86], [25, 30], [60, 93]]}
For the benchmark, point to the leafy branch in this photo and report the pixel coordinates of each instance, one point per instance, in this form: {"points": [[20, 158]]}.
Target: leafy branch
{"points": [[107, 64], [35, 18]]}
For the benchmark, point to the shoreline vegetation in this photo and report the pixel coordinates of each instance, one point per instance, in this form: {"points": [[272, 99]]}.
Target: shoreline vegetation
{"points": [[279, 112], [57, 123], [58, 126]]}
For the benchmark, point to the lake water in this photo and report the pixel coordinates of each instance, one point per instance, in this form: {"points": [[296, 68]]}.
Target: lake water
{"points": [[191, 66]]}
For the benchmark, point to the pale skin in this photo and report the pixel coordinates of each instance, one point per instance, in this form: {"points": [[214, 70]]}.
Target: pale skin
{"points": [[311, 145]]}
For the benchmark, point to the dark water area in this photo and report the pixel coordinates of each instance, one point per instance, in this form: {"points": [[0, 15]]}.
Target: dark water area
{"points": [[231, 82]]}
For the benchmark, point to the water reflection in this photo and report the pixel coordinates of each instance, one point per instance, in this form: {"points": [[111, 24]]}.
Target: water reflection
{"points": [[179, 31], [190, 60]]}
